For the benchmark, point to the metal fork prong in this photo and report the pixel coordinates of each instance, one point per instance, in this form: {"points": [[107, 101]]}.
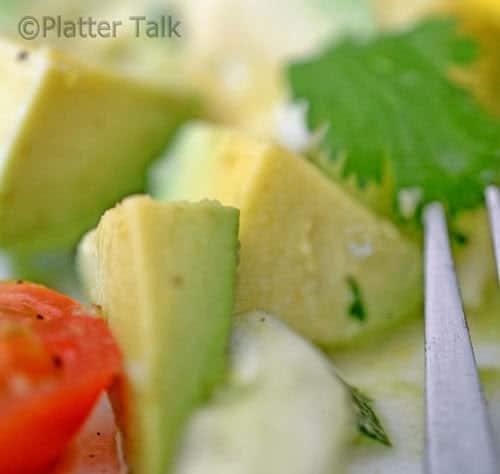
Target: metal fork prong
{"points": [[493, 204], [458, 433]]}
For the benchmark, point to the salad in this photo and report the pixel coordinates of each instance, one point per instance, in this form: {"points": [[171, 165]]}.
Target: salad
{"points": [[211, 243]]}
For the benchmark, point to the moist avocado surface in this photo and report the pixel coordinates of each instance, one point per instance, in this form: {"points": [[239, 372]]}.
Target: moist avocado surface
{"points": [[310, 253], [74, 140], [163, 275]]}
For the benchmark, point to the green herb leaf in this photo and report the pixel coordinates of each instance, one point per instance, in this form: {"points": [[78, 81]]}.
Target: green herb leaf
{"points": [[356, 307], [368, 423], [389, 106]]}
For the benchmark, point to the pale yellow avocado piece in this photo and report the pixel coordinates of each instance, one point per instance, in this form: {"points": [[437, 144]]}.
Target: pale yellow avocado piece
{"points": [[74, 140], [163, 275], [306, 245]]}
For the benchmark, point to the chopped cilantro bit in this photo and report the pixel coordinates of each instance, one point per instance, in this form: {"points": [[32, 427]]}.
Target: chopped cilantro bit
{"points": [[356, 307], [459, 237], [389, 106], [368, 423]]}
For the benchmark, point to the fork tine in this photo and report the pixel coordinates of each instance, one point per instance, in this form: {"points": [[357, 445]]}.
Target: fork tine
{"points": [[458, 434], [493, 203]]}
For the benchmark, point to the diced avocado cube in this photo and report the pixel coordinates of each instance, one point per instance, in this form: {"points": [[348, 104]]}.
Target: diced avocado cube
{"points": [[310, 252], [74, 140], [475, 262], [163, 275], [282, 411]]}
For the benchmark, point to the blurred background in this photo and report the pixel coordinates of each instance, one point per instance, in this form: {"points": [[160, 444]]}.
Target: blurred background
{"points": [[232, 52]]}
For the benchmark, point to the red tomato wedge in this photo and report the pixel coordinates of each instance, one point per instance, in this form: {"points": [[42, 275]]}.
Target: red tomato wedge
{"points": [[55, 362], [96, 449]]}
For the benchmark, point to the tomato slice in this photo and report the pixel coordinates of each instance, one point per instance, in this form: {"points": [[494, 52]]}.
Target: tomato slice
{"points": [[55, 362], [97, 446]]}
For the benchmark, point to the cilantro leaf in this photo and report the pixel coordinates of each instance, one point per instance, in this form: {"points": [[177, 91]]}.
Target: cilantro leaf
{"points": [[369, 424], [389, 106], [356, 307]]}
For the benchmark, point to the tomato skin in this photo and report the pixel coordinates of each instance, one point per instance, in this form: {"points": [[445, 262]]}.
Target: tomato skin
{"points": [[55, 363], [29, 300]]}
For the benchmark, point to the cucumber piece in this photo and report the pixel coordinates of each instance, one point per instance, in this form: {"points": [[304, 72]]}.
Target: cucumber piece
{"points": [[282, 411]]}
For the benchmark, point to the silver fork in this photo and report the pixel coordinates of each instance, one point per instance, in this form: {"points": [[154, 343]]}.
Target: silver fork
{"points": [[459, 437]]}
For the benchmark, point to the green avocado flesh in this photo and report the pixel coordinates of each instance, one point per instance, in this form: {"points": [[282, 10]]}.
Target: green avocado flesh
{"points": [[282, 411], [163, 274], [73, 141], [310, 252]]}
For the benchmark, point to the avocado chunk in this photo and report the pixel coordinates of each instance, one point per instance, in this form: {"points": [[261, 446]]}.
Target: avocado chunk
{"points": [[282, 411], [163, 275], [74, 139], [310, 252], [474, 259]]}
